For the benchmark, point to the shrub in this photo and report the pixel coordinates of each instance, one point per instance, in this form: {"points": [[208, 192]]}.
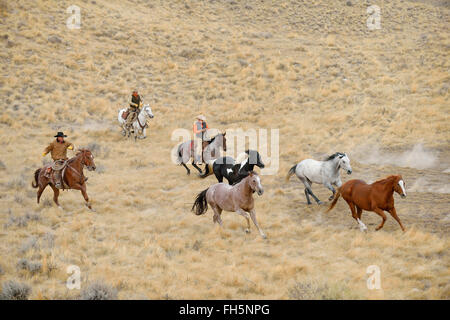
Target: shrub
{"points": [[13, 290], [99, 291]]}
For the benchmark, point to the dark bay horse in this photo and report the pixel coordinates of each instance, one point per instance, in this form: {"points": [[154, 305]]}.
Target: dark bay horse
{"points": [[185, 151], [376, 197], [237, 198], [233, 171], [73, 176]]}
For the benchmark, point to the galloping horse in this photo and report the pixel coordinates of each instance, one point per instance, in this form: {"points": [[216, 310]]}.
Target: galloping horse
{"points": [[375, 197], [139, 124], [234, 171], [237, 198], [322, 172], [185, 151], [73, 177]]}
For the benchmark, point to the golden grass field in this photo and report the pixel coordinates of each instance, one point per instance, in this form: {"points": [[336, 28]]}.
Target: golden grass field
{"points": [[312, 69]]}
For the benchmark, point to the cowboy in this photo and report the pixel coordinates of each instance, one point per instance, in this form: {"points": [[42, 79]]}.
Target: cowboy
{"points": [[133, 110], [58, 152], [200, 129]]}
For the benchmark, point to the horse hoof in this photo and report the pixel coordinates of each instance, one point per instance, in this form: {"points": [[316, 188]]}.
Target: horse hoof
{"points": [[60, 208], [319, 203], [264, 236], [188, 173], [247, 230]]}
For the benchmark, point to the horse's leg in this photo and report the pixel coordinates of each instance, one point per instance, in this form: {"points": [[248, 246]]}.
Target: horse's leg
{"points": [[382, 215], [187, 169], [40, 190], [330, 187], [393, 213], [355, 216], [307, 196], [196, 167], [314, 197], [85, 196], [253, 216], [358, 212], [55, 195], [246, 216], [217, 213]]}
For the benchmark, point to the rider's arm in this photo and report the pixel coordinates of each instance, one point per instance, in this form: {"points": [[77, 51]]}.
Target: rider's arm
{"points": [[47, 150], [196, 128]]}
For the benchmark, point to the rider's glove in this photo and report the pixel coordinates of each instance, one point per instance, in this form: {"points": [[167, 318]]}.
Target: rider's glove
{"points": [[44, 154]]}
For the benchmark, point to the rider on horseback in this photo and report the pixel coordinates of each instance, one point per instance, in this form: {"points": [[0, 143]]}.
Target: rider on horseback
{"points": [[200, 137], [133, 110], [58, 152]]}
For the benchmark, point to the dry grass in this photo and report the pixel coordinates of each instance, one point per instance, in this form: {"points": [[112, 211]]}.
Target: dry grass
{"points": [[311, 69]]}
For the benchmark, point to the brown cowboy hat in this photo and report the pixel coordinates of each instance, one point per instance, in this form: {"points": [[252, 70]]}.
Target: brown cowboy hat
{"points": [[60, 134]]}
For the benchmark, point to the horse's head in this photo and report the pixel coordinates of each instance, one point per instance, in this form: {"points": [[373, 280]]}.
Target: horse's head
{"points": [[255, 183], [400, 186], [88, 159], [255, 158], [148, 111], [344, 162]]}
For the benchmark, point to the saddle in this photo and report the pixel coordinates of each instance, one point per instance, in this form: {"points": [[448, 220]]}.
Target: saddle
{"points": [[55, 172], [125, 115]]}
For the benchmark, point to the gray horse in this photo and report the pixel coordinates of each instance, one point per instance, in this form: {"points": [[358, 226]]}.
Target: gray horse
{"points": [[185, 151], [322, 172]]}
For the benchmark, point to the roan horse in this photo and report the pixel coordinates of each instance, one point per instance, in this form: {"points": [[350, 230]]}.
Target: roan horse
{"points": [[322, 172], [185, 151], [139, 124], [73, 176], [375, 197], [237, 198]]}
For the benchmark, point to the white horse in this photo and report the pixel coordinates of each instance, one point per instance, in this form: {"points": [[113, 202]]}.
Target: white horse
{"points": [[322, 172], [139, 125]]}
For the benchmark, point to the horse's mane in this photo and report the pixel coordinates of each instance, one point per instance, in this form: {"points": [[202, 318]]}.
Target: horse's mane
{"points": [[386, 179], [334, 156]]}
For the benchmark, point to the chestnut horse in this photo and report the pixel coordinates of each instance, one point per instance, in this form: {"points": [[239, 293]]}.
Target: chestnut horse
{"points": [[73, 176], [237, 198], [376, 197]]}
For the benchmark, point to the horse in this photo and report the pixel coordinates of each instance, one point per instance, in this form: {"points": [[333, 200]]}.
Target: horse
{"points": [[234, 171], [138, 125], [185, 151], [237, 198], [72, 176], [321, 172], [376, 197]]}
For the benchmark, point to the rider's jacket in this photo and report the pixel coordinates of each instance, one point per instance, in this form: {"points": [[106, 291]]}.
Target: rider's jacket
{"points": [[198, 126], [58, 150], [135, 101]]}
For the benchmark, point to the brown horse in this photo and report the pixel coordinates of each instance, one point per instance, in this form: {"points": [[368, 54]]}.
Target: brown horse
{"points": [[237, 198], [375, 197], [73, 176]]}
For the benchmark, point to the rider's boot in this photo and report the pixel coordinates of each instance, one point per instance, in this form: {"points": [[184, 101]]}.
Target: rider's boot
{"points": [[57, 178]]}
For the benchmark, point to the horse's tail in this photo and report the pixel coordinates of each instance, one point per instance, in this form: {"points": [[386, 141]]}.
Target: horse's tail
{"points": [[35, 183], [335, 200], [290, 173], [180, 154], [200, 204]]}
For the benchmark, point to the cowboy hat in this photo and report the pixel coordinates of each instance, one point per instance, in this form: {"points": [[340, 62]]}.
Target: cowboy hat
{"points": [[60, 134], [201, 117]]}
